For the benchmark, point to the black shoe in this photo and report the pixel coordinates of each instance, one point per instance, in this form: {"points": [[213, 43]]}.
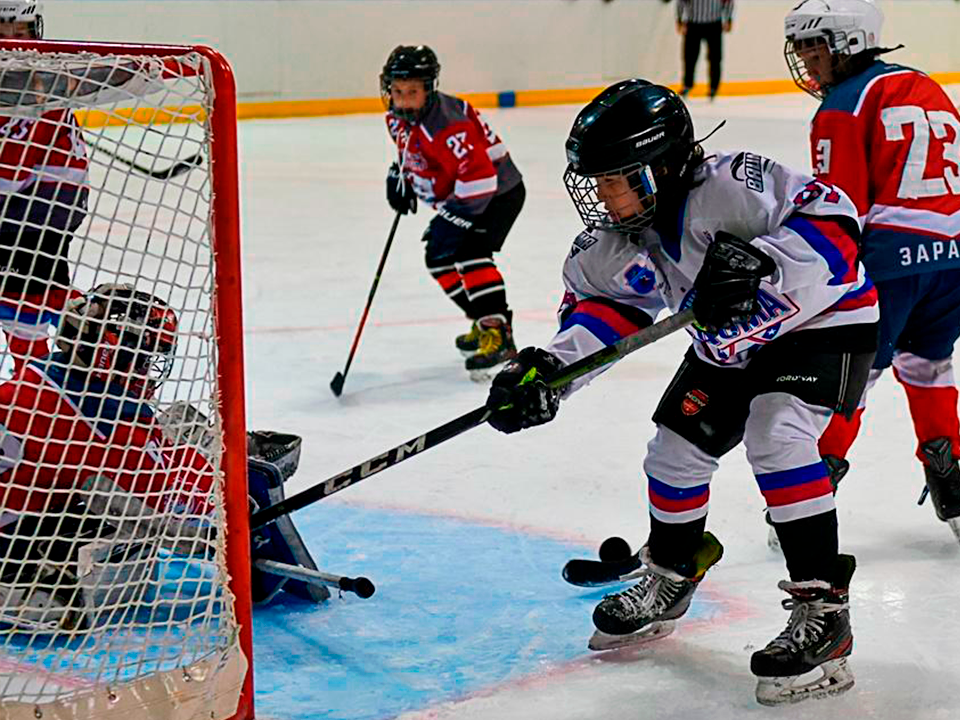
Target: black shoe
{"points": [[943, 477], [817, 636]]}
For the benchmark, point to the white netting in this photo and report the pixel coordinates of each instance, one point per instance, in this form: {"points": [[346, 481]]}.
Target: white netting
{"points": [[113, 585]]}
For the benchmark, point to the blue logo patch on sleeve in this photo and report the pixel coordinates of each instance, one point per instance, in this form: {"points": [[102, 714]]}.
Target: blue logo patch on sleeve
{"points": [[641, 279]]}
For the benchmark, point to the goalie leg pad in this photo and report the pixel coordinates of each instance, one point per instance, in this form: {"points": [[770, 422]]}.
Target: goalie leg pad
{"points": [[277, 541]]}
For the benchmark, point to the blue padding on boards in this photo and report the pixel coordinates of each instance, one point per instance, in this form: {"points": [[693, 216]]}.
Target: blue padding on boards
{"points": [[507, 99], [459, 607]]}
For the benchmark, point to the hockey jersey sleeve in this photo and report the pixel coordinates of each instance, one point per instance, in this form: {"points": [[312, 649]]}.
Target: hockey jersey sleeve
{"points": [[808, 227], [838, 147], [610, 293]]}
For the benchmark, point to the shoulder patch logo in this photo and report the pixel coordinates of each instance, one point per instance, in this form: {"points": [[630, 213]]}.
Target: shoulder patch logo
{"points": [[748, 169], [582, 242]]}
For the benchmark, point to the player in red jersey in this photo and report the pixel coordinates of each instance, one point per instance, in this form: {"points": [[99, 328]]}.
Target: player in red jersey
{"points": [[43, 200], [87, 464], [450, 159], [890, 137]]}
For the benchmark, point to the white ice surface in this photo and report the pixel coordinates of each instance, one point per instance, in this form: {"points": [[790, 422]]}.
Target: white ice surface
{"points": [[315, 223]]}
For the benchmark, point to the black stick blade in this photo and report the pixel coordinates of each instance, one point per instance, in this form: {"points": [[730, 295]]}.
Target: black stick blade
{"points": [[594, 573], [337, 384]]}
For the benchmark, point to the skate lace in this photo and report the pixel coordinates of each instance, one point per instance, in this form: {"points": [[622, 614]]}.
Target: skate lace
{"points": [[651, 596], [807, 618]]}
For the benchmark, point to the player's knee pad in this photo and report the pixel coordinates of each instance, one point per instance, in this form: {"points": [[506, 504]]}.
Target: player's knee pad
{"points": [[782, 432], [914, 370], [278, 541]]}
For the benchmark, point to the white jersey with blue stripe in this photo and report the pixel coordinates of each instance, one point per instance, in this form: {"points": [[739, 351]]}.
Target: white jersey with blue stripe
{"points": [[808, 228]]}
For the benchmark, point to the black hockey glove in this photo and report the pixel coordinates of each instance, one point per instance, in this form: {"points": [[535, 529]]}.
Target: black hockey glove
{"points": [[727, 284], [399, 193], [519, 398]]}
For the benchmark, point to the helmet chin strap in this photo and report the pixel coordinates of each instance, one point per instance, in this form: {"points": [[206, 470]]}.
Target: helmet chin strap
{"points": [[710, 134]]}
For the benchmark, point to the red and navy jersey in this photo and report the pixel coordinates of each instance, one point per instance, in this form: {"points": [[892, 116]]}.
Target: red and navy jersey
{"points": [[58, 431], [890, 138], [48, 149], [452, 157]]}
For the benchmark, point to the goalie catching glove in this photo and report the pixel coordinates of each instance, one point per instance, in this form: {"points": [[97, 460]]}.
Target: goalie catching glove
{"points": [[519, 397], [727, 284]]}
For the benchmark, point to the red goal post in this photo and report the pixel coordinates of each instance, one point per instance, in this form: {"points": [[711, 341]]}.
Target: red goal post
{"points": [[145, 651]]}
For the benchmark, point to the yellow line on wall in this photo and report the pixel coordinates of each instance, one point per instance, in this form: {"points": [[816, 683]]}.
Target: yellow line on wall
{"points": [[349, 106]]}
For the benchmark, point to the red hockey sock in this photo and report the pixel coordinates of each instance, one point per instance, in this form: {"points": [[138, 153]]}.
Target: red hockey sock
{"points": [[934, 413], [840, 434]]}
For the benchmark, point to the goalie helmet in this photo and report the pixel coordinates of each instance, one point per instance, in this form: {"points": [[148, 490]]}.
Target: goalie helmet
{"points": [[636, 130], [124, 336], [849, 30], [410, 62], [28, 12]]}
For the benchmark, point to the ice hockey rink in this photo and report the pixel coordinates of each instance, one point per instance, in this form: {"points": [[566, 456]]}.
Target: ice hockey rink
{"points": [[465, 543]]}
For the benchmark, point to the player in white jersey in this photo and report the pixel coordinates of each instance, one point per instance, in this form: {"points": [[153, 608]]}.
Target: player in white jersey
{"points": [[785, 334]]}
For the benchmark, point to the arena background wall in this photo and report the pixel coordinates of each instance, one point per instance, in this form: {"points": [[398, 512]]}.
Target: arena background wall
{"points": [[316, 57]]}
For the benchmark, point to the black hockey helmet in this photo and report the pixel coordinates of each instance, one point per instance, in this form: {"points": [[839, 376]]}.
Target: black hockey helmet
{"points": [[122, 335], [638, 130], [410, 62]]}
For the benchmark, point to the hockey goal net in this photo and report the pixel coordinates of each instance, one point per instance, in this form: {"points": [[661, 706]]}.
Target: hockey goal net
{"points": [[123, 594]]}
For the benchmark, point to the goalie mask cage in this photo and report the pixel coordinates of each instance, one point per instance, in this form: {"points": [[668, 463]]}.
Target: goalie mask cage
{"points": [[148, 614]]}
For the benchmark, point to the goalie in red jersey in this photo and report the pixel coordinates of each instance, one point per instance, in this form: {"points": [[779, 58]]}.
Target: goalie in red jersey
{"points": [[888, 135], [43, 200], [88, 464], [449, 158]]}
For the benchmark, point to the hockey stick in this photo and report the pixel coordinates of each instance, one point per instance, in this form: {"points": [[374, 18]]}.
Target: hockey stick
{"points": [[175, 170], [455, 427], [359, 585], [337, 383]]}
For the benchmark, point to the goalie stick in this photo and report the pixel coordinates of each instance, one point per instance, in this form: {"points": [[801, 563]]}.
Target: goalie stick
{"points": [[470, 420], [178, 168]]}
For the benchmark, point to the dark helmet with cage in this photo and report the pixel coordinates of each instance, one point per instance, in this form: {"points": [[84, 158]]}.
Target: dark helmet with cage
{"points": [[410, 62], [21, 19], [123, 336], [637, 130], [846, 31]]}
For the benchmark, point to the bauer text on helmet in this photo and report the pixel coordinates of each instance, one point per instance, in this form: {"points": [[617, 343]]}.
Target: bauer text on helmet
{"points": [[629, 148], [21, 19]]}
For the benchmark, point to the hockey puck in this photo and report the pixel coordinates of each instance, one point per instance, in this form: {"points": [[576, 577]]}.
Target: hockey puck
{"points": [[614, 549]]}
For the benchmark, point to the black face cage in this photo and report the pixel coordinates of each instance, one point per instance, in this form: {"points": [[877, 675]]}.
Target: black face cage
{"points": [[429, 84], [586, 199], [841, 62]]}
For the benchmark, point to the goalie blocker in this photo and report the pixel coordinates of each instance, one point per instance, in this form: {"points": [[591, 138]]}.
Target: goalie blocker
{"points": [[75, 571]]}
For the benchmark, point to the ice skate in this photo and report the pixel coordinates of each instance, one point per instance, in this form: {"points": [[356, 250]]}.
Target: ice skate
{"points": [[495, 348], [943, 482], [809, 658], [469, 343], [648, 610]]}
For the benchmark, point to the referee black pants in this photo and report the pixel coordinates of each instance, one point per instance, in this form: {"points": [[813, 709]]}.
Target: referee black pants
{"points": [[695, 35]]}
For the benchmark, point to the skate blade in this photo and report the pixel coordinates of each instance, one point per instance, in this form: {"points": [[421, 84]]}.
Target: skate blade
{"points": [[601, 641], [954, 524], [835, 678]]}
